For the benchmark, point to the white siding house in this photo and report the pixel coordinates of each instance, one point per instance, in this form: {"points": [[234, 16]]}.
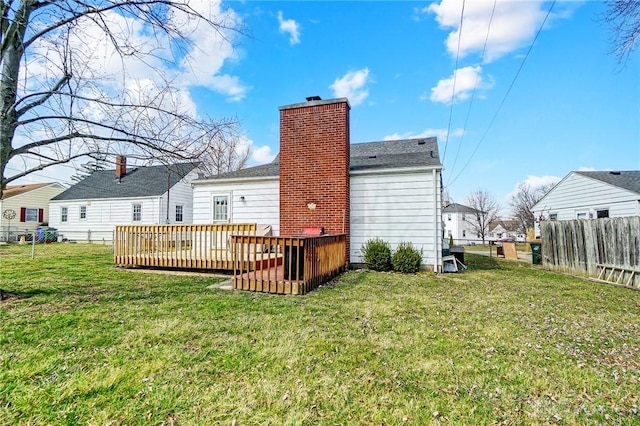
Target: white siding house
{"points": [[458, 219], [591, 195], [30, 205], [90, 210], [396, 205], [249, 200], [394, 195]]}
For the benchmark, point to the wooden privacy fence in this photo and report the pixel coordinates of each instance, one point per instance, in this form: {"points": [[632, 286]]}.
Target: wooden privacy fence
{"points": [[605, 249], [177, 246], [297, 265]]}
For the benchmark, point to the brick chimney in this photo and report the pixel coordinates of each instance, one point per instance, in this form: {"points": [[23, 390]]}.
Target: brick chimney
{"points": [[121, 166], [314, 167]]}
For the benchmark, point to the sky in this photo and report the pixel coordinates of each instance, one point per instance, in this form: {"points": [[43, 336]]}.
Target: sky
{"points": [[523, 91]]}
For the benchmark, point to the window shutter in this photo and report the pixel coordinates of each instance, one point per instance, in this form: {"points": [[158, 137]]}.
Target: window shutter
{"points": [[23, 214], [40, 215]]}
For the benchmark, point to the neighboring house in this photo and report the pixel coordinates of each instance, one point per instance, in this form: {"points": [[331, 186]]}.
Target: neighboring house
{"points": [[506, 229], [458, 220], [388, 189], [90, 210], [29, 203], [591, 195]]}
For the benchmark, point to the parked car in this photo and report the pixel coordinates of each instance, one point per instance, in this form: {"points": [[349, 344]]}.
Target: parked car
{"points": [[507, 240]]}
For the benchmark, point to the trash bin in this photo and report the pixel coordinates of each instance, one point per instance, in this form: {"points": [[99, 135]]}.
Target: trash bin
{"points": [[50, 235], [536, 253], [40, 233], [293, 262]]}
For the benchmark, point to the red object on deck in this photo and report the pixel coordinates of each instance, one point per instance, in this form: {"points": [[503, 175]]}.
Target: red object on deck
{"points": [[312, 231]]}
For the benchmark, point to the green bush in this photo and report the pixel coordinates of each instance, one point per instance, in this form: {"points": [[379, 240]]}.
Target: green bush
{"points": [[407, 259], [377, 254]]}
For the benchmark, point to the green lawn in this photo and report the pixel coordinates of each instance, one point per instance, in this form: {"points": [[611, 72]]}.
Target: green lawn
{"points": [[84, 342]]}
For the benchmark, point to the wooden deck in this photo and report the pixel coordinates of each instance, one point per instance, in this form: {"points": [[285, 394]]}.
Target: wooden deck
{"points": [[292, 265]]}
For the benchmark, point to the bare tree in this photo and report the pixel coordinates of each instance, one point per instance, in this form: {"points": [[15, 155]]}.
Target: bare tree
{"points": [[623, 18], [100, 78], [486, 209], [523, 200], [224, 152]]}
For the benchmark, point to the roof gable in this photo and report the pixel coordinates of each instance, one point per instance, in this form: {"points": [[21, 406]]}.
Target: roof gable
{"points": [[137, 182], [629, 180], [459, 208], [13, 190]]}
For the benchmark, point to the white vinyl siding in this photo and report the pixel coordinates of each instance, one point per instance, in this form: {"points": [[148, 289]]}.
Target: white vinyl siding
{"points": [[581, 194], [397, 208], [104, 214], [260, 204]]}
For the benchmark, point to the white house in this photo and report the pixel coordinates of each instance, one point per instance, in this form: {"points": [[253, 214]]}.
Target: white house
{"points": [[590, 195], [90, 210], [458, 219], [24, 207], [388, 189]]}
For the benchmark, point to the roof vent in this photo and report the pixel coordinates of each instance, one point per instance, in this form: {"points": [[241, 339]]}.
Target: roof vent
{"points": [[421, 142], [313, 98], [373, 156], [615, 173]]}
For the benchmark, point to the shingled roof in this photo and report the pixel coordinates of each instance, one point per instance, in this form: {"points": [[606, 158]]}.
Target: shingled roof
{"points": [[459, 208], [146, 181], [394, 154], [629, 180], [13, 190]]}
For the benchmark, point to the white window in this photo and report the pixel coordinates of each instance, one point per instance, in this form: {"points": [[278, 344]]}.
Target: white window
{"points": [[31, 215], [83, 212], [179, 213], [137, 212], [581, 215], [449, 216], [553, 216], [464, 233], [64, 214], [221, 208], [464, 218]]}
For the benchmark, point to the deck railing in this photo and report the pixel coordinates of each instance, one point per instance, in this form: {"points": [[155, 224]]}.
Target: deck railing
{"points": [[291, 265], [177, 246]]}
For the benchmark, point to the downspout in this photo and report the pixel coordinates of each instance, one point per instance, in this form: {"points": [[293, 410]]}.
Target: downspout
{"points": [[168, 190], [435, 222]]}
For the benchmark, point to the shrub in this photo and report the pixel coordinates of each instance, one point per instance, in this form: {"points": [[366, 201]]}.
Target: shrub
{"points": [[377, 254], [407, 259]]}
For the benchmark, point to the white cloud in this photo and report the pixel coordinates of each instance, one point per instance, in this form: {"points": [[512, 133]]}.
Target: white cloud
{"points": [[587, 169], [352, 86], [441, 134], [291, 27], [262, 155], [465, 80], [513, 26]]}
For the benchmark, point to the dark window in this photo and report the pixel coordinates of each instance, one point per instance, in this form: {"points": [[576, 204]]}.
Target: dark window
{"points": [[602, 213]]}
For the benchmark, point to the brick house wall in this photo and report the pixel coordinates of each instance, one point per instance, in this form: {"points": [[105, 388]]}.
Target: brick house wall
{"points": [[314, 167]]}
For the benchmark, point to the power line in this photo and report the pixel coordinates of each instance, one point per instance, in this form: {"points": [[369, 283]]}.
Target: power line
{"points": [[453, 90], [473, 93], [495, 115]]}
